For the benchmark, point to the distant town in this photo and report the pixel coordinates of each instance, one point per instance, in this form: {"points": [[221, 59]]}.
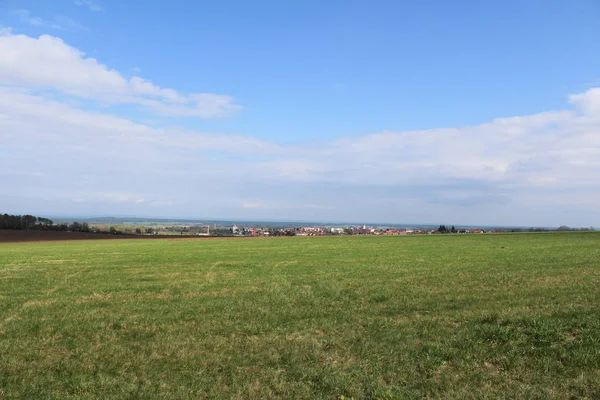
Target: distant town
{"points": [[154, 227]]}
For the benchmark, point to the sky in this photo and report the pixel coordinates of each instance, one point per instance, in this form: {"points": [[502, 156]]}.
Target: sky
{"points": [[430, 112]]}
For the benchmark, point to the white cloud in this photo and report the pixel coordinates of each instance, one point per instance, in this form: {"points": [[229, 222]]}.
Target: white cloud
{"points": [[60, 22], [250, 204], [588, 102], [548, 152], [28, 18], [161, 203], [283, 205], [533, 169], [64, 23], [90, 4], [70, 71]]}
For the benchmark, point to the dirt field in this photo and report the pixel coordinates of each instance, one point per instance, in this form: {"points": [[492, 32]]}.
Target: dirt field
{"points": [[11, 236]]}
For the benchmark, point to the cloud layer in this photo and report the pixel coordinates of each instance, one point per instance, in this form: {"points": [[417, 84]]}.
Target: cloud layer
{"points": [[60, 22], [89, 4], [56, 157], [47, 63]]}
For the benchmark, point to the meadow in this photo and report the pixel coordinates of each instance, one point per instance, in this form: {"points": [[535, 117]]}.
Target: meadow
{"points": [[441, 316]]}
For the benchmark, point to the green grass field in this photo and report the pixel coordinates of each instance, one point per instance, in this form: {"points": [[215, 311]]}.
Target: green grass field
{"points": [[479, 316]]}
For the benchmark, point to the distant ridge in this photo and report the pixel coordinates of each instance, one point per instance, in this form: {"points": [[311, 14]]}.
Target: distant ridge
{"points": [[111, 220]]}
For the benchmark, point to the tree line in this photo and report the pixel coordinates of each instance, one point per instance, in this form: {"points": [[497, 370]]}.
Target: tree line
{"points": [[443, 229], [31, 222]]}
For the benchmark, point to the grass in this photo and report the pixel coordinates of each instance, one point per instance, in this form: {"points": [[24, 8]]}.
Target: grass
{"points": [[479, 316]]}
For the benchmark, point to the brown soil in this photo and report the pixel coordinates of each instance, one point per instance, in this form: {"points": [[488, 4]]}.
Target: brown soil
{"points": [[11, 236]]}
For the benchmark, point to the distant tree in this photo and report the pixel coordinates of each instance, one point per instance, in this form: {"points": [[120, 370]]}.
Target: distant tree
{"points": [[44, 221], [442, 229], [563, 228], [112, 230], [453, 230], [28, 221], [84, 227], [127, 229], [138, 231]]}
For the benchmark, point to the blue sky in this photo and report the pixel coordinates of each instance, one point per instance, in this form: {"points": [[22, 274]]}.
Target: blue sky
{"points": [[416, 112]]}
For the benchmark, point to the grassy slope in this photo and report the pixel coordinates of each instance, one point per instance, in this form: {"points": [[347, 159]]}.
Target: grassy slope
{"points": [[488, 316]]}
